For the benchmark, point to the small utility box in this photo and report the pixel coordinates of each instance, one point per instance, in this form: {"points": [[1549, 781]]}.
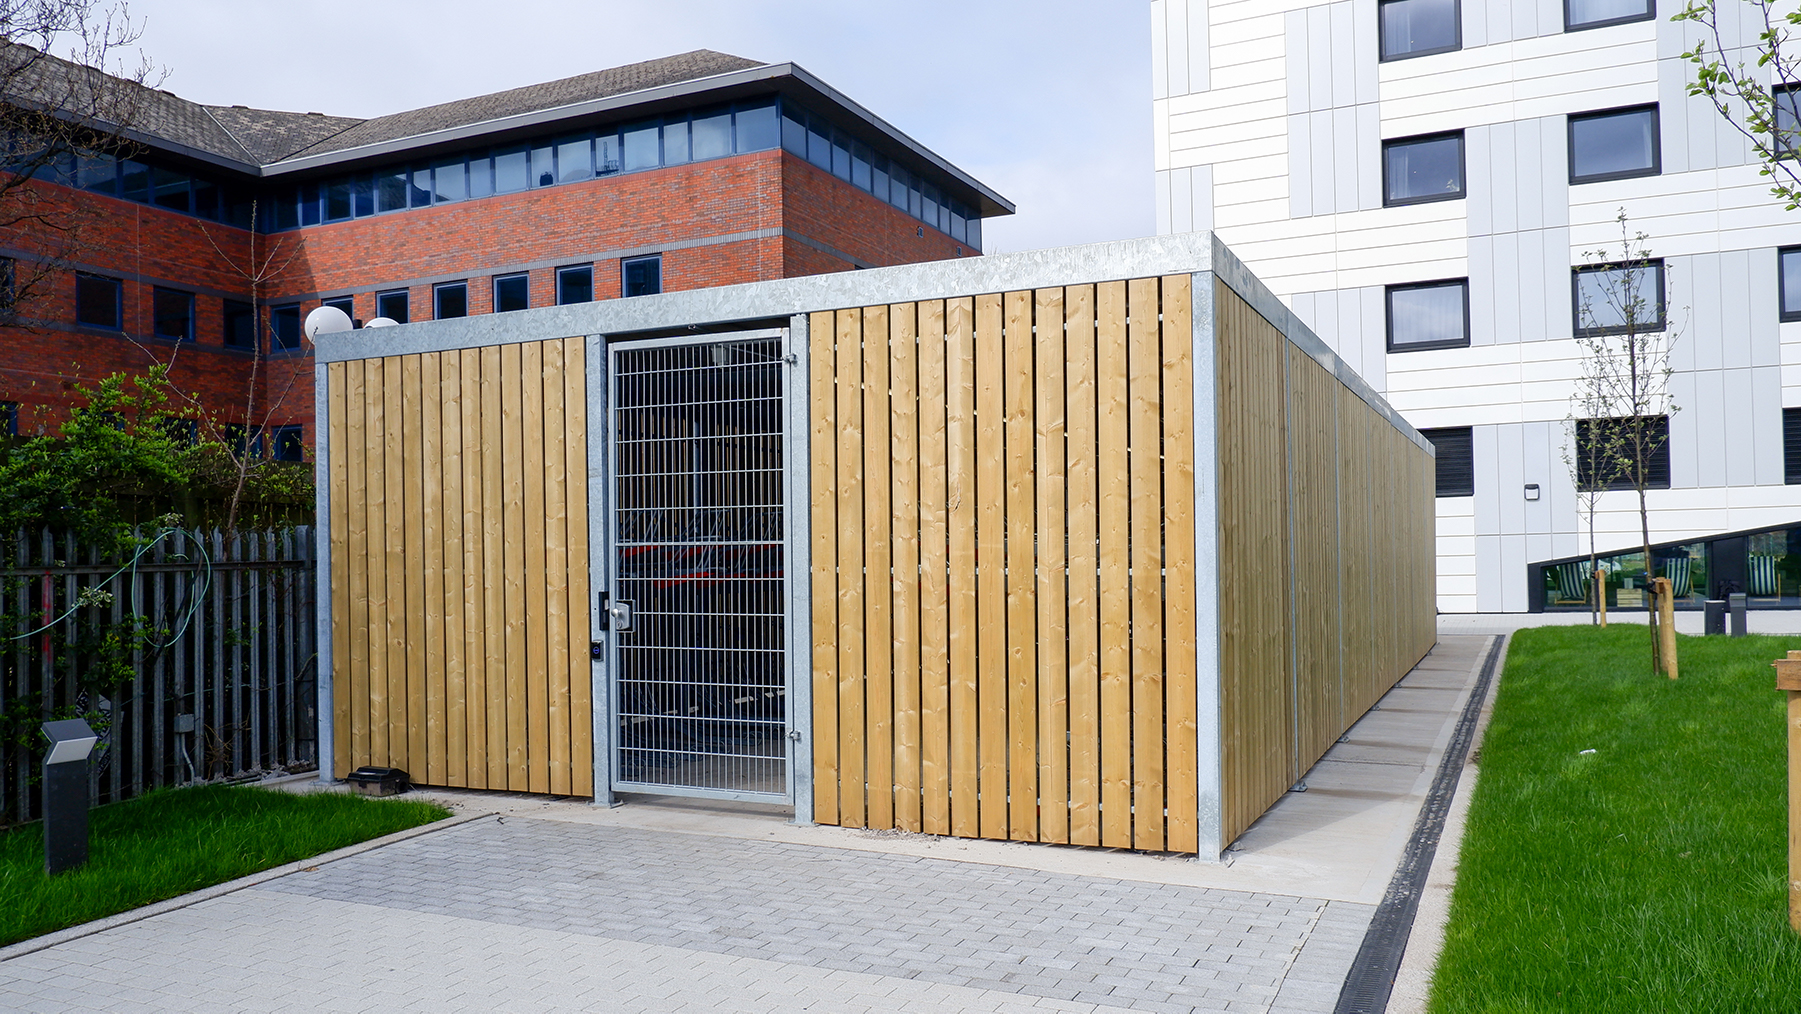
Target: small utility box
{"points": [[369, 781], [66, 794]]}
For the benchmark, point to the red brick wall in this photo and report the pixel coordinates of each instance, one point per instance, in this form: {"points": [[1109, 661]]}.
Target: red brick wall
{"points": [[473, 240]]}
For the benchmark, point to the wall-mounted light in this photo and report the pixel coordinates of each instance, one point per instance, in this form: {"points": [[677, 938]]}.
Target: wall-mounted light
{"points": [[1532, 491]]}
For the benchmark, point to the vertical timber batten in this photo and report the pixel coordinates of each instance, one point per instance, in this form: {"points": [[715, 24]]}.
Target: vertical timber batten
{"points": [[429, 654], [1102, 562]]}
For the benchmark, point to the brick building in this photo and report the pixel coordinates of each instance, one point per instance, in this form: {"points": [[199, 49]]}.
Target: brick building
{"points": [[210, 240]]}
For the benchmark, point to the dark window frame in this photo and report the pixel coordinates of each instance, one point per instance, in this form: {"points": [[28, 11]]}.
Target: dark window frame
{"points": [[406, 304], [157, 295], [437, 299], [1463, 169], [570, 270], [1569, 130], [1464, 438], [1659, 465], [1388, 314], [625, 266], [494, 286], [1383, 56], [1663, 303], [118, 287], [1650, 14], [1783, 313], [1791, 446], [234, 310], [279, 343], [1791, 94], [283, 439]]}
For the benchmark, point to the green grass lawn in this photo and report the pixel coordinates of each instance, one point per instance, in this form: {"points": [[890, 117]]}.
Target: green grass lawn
{"points": [[1649, 875], [179, 840]]}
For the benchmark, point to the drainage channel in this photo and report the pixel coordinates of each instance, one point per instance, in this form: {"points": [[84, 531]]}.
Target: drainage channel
{"points": [[1372, 977]]}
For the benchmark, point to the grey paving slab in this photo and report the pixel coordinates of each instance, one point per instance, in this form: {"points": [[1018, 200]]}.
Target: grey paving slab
{"points": [[560, 907]]}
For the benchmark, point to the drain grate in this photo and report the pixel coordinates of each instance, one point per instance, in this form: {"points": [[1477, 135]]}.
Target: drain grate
{"points": [[1372, 977]]}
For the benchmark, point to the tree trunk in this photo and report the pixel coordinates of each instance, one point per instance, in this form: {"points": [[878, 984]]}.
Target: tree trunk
{"points": [[1644, 530]]}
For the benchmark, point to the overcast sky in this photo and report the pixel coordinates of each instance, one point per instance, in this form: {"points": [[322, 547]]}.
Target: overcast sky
{"points": [[1046, 101]]}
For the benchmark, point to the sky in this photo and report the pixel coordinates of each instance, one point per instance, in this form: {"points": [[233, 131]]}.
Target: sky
{"points": [[1046, 101]]}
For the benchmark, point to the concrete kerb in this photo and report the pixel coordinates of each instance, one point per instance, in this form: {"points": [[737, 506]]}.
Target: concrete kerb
{"points": [[1426, 940], [25, 947]]}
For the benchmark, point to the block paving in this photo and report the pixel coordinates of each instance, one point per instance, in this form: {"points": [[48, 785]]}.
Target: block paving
{"points": [[530, 914]]}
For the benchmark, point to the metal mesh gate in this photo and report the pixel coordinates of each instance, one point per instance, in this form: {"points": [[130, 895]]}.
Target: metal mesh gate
{"points": [[699, 603]]}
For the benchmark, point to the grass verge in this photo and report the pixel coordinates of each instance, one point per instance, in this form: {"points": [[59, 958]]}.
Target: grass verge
{"points": [[174, 841], [1647, 875]]}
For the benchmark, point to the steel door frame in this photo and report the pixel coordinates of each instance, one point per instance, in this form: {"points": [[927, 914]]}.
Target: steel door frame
{"points": [[603, 529]]}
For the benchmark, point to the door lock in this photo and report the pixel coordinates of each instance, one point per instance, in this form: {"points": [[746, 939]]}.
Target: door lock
{"points": [[620, 613]]}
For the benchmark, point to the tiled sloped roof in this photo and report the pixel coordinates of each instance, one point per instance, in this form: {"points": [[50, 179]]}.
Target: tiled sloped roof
{"points": [[259, 137], [532, 98], [37, 79], [268, 135]]}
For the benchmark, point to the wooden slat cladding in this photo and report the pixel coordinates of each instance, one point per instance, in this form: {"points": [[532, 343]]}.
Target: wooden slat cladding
{"points": [[1325, 559], [460, 493], [997, 650]]}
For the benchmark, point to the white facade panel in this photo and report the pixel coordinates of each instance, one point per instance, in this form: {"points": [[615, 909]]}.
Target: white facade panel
{"points": [[1284, 161]]}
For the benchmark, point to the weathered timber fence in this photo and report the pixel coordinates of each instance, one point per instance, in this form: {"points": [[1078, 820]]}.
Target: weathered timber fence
{"points": [[214, 637]]}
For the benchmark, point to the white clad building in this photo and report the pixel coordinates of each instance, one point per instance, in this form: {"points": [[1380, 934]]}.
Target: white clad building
{"points": [[1275, 121]]}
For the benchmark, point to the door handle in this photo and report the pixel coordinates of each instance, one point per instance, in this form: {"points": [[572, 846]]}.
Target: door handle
{"points": [[621, 614]]}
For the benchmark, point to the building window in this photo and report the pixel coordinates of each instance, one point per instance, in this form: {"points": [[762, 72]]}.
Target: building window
{"points": [[1786, 101], [1617, 298], [9, 418], [1429, 315], [1420, 169], [1614, 145], [346, 304], [575, 285], [1614, 463], [450, 299], [641, 276], [1456, 459], [173, 314], [99, 301], [1600, 13], [512, 292], [1791, 445], [1419, 27], [1788, 280], [392, 305], [244, 441], [287, 443], [284, 327], [240, 324], [9, 289]]}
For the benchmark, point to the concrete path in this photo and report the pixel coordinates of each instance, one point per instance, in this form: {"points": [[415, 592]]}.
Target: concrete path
{"points": [[659, 906]]}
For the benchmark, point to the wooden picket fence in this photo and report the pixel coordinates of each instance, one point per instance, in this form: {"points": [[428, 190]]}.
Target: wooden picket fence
{"points": [[223, 688]]}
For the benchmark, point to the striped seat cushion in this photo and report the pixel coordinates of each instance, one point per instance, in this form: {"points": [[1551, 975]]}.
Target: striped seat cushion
{"points": [[1760, 570]]}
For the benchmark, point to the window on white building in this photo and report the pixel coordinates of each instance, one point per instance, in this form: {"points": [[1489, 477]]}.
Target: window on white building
{"points": [[1454, 447], [1420, 169], [1614, 144], [1787, 102], [1429, 315], [1788, 280], [1615, 298], [1419, 27], [1601, 13]]}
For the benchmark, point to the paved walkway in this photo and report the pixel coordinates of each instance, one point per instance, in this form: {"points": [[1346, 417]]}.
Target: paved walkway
{"points": [[662, 907]]}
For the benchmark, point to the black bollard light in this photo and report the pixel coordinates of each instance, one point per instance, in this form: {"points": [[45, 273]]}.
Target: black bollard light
{"points": [[1735, 604], [1714, 616], [66, 794]]}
